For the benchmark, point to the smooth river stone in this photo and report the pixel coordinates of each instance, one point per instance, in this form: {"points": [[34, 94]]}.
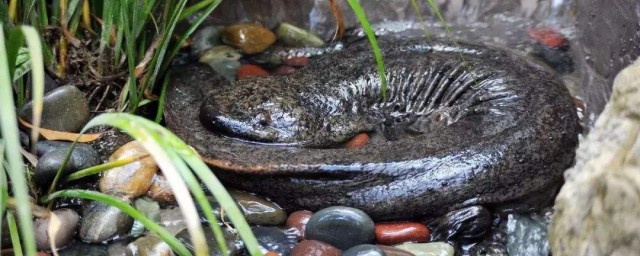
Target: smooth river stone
{"points": [[316, 248], [401, 232], [149, 245], [52, 154], [69, 221], [298, 221], [340, 226], [204, 39], [131, 180], [251, 38], [150, 209], [160, 191], [392, 251], [364, 250], [275, 239], [64, 109], [428, 249], [102, 222], [466, 223], [257, 210], [249, 70], [291, 35], [235, 247], [48, 166], [220, 53]]}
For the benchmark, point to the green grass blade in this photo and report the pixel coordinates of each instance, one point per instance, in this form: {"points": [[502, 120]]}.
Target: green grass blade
{"points": [[162, 233], [44, 19], [14, 233], [196, 8], [162, 100], [4, 188], [10, 135], [130, 44], [16, 39], [216, 188], [133, 125], [100, 168], [37, 79], [105, 35], [362, 18]]}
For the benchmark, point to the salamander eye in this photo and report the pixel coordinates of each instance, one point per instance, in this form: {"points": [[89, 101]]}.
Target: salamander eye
{"points": [[264, 118]]}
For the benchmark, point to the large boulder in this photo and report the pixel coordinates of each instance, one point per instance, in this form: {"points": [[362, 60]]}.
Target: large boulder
{"points": [[598, 207]]}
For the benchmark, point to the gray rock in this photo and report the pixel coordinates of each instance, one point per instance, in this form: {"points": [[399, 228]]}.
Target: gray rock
{"points": [[342, 227], [149, 245], [226, 68], [220, 53], [364, 250], [234, 244], [150, 209], [82, 249], [48, 166], [64, 109], [291, 35], [466, 223], [172, 220], [428, 249], [69, 221], [204, 39], [527, 235], [52, 154], [598, 207], [275, 239], [102, 222], [257, 210]]}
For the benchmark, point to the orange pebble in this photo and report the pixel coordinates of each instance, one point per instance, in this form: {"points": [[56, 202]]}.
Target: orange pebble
{"points": [[248, 70], [358, 141], [271, 254], [548, 37], [401, 232]]}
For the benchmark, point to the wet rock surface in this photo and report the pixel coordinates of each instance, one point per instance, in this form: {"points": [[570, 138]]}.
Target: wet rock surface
{"points": [[148, 245], [64, 109], [527, 235], [428, 249], [298, 221], [82, 249], [393, 251], [101, 222], [235, 246], [131, 180], [313, 247], [275, 239], [69, 222], [251, 38], [257, 210], [401, 232], [52, 155], [342, 227], [364, 250]]}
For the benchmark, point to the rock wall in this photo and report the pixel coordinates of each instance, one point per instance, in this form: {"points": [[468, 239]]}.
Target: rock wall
{"points": [[609, 38]]}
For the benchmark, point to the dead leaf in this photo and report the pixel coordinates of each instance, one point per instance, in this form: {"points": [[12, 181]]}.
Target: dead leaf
{"points": [[65, 136], [337, 14], [30, 157], [52, 231]]}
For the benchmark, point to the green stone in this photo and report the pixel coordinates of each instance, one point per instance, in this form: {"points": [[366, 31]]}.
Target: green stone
{"points": [[294, 36], [220, 53]]}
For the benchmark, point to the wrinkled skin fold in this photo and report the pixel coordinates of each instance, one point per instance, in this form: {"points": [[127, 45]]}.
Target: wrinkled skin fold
{"points": [[498, 131]]}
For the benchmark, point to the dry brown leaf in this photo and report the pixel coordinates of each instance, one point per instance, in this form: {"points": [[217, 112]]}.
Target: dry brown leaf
{"points": [[52, 231], [58, 135]]}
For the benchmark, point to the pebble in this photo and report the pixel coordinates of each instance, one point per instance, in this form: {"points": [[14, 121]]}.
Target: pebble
{"points": [[150, 209], [428, 249], [364, 250], [392, 251], [64, 109], [340, 226], [275, 239], [358, 141], [268, 58], [487, 249], [204, 39], [257, 210], [52, 154], [48, 166], [82, 249], [251, 38], [284, 70], [298, 221], [401, 232], [220, 53], [316, 248], [291, 35], [297, 62], [131, 180], [172, 220], [160, 191], [559, 60], [466, 223], [527, 235], [235, 246], [102, 222], [226, 68], [69, 221], [548, 37], [148, 245], [25, 139], [248, 70]]}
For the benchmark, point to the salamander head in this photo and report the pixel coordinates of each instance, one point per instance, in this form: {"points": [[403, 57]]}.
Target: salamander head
{"points": [[258, 115]]}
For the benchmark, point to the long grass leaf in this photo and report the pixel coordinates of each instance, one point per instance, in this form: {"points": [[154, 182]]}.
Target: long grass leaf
{"points": [[196, 8], [16, 39], [162, 233], [102, 167], [10, 135], [15, 234], [130, 40], [362, 18], [162, 99], [37, 79], [44, 19], [105, 34], [4, 188], [134, 126]]}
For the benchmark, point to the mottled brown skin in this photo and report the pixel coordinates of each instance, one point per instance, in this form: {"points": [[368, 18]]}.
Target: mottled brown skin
{"points": [[498, 131]]}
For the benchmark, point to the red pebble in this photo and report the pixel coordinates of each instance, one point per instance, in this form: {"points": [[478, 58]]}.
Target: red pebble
{"points": [[358, 141], [548, 37], [271, 254], [284, 70], [296, 61], [298, 221], [400, 232], [248, 70], [315, 248]]}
